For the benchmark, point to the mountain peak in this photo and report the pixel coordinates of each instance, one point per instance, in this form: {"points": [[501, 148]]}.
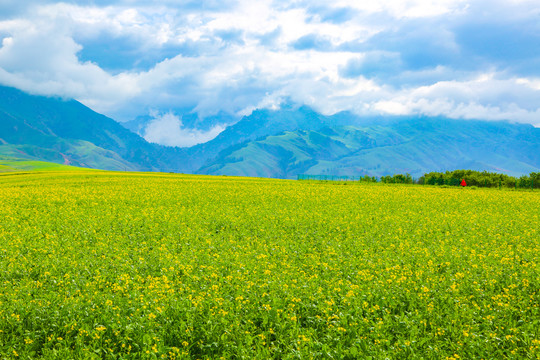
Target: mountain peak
{"points": [[271, 143]]}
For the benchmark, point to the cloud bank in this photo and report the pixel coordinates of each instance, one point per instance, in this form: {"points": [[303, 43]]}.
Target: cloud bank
{"points": [[457, 58], [168, 129]]}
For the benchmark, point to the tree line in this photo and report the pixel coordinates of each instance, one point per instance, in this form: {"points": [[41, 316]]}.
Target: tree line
{"points": [[471, 177]]}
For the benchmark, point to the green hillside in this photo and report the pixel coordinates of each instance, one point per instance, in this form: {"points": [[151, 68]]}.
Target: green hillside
{"points": [[70, 152], [259, 124], [67, 132], [406, 146], [15, 165], [271, 143]]}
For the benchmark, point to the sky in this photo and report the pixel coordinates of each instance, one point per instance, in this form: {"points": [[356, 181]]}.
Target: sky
{"points": [[163, 59]]}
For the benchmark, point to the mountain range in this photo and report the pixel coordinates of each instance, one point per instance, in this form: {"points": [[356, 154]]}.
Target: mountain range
{"points": [[67, 132], [413, 146], [268, 143]]}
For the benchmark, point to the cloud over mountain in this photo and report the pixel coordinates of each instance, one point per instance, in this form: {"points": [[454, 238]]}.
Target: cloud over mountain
{"points": [[168, 129], [457, 58]]}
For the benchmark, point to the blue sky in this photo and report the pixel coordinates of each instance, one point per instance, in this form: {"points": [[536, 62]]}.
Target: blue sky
{"points": [[127, 58]]}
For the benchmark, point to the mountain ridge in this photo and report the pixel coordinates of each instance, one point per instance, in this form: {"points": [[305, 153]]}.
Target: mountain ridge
{"points": [[440, 145], [66, 131], [270, 143]]}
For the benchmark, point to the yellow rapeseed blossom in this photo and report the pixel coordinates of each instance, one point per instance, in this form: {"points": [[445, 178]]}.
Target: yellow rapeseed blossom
{"points": [[136, 265]]}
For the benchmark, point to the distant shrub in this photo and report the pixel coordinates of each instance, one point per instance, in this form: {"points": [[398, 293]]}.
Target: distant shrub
{"points": [[480, 179], [397, 179]]}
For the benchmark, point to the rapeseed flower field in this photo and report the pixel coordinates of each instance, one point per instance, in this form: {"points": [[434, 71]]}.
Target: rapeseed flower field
{"points": [[164, 266]]}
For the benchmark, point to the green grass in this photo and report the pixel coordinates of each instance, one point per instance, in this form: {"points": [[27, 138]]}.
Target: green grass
{"points": [[15, 165]]}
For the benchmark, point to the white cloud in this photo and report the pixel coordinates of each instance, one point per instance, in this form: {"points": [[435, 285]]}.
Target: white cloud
{"points": [[484, 97], [40, 58], [209, 57], [397, 8], [392, 107], [167, 129]]}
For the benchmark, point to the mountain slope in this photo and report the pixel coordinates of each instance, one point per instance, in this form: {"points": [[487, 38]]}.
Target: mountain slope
{"points": [[8, 164], [52, 129], [412, 146], [271, 143], [262, 123]]}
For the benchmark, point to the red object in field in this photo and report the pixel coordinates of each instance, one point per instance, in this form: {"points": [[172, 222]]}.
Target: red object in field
{"points": [[463, 183]]}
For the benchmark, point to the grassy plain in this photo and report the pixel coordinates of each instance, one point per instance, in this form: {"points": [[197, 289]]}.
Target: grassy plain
{"points": [[145, 266], [8, 164]]}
